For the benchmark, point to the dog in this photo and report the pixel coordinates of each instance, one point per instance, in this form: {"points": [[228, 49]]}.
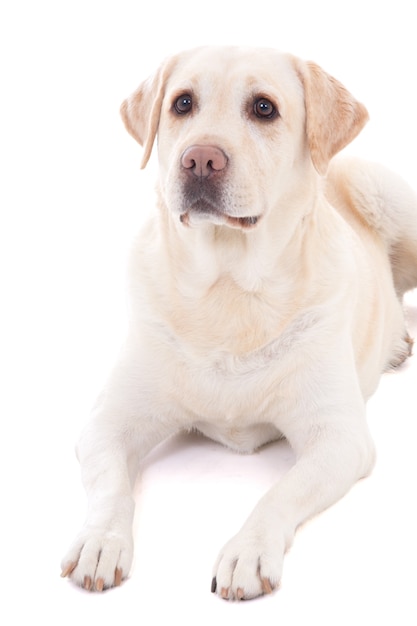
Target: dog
{"points": [[266, 301]]}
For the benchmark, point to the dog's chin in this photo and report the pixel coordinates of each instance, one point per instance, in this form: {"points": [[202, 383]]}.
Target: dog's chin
{"points": [[193, 218]]}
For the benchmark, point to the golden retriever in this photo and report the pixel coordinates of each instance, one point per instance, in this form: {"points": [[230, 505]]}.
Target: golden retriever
{"points": [[266, 296]]}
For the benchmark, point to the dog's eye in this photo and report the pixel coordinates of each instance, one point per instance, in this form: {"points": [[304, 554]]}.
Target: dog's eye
{"points": [[183, 104], [264, 109]]}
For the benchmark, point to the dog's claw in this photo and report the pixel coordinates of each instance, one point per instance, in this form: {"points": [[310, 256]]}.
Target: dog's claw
{"points": [[68, 569], [118, 575], [240, 594], [214, 585], [225, 593], [266, 586], [88, 583]]}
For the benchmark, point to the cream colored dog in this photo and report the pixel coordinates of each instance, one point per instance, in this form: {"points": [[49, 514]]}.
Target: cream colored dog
{"points": [[266, 300]]}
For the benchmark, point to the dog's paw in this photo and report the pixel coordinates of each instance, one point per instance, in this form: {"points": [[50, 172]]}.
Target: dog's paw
{"points": [[98, 559], [249, 565]]}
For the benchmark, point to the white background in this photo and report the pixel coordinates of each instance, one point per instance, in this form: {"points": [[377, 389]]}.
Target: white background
{"points": [[72, 196]]}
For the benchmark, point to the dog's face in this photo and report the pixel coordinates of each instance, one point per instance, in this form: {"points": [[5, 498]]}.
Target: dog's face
{"points": [[230, 134], [239, 131]]}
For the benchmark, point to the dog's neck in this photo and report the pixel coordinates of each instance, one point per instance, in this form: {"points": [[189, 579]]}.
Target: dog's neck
{"points": [[273, 251], [236, 278]]}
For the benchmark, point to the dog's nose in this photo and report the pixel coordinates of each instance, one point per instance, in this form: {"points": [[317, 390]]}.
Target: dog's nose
{"points": [[203, 160]]}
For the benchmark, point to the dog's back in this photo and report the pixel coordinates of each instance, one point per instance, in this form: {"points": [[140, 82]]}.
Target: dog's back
{"points": [[371, 196]]}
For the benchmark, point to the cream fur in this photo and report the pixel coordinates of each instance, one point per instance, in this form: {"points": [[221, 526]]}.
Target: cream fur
{"points": [[271, 315]]}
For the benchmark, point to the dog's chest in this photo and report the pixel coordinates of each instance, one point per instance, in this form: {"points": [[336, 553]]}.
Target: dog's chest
{"points": [[233, 390], [228, 320]]}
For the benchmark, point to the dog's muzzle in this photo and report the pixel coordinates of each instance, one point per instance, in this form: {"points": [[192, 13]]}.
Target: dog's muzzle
{"points": [[204, 169]]}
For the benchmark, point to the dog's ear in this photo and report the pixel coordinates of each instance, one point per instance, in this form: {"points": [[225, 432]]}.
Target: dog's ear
{"points": [[333, 116], [141, 111]]}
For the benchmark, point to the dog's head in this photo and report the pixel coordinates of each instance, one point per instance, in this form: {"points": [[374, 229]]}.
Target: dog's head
{"points": [[239, 130]]}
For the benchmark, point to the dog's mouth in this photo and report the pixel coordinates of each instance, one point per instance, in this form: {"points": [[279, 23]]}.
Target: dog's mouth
{"points": [[204, 201], [243, 223]]}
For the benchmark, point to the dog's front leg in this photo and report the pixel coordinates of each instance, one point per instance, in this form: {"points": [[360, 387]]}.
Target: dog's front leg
{"points": [[333, 452], [101, 554], [130, 419]]}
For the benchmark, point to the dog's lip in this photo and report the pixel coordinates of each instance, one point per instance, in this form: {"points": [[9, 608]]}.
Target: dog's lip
{"points": [[244, 223]]}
